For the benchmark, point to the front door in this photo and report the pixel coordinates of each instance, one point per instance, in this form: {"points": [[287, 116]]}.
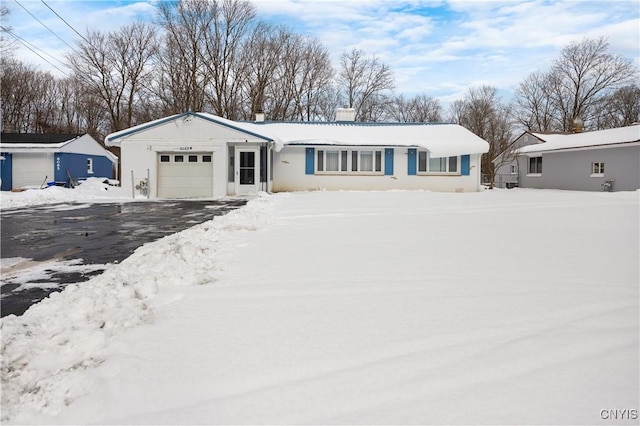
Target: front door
{"points": [[247, 179]]}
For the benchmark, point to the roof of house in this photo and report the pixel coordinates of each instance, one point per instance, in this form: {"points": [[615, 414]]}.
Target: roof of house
{"points": [[439, 139], [53, 142], [595, 139], [37, 138]]}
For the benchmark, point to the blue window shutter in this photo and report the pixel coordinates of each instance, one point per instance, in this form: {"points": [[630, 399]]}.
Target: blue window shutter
{"points": [[465, 162], [310, 165], [388, 161], [413, 161]]}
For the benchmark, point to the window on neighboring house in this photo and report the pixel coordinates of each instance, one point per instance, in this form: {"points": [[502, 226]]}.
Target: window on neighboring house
{"points": [[90, 165], [349, 161], [535, 165], [514, 169], [597, 169], [428, 164]]}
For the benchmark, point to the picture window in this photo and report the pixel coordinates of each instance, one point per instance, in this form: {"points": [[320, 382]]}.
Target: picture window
{"points": [[428, 164], [349, 161]]}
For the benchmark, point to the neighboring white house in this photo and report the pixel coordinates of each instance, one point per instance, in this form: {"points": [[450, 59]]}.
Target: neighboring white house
{"points": [[202, 155], [36, 159], [587, 161]]}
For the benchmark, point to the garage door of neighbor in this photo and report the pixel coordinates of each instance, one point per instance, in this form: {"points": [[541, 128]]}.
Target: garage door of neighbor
{"points": [[188, 175], [32, 169]]}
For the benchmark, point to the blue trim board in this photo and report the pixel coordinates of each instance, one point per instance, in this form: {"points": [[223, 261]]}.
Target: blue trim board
{"points": [[465, 165], [6, 172], [309, 163], [388, 161], [412, 158]]}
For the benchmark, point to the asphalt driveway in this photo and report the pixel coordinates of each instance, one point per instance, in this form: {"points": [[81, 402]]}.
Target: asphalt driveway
{"points": [[94, 234]]}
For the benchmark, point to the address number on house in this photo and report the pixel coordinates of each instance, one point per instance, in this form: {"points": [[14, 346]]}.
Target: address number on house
{"points": [[185, 148]]}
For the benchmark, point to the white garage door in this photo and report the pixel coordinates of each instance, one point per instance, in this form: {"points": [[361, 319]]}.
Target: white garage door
{"points": [[188, 175], [32, 169]]}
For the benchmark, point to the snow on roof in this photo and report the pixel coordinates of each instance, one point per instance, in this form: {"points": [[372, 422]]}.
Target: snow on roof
{"points": [[554, 142], [439, 139]]}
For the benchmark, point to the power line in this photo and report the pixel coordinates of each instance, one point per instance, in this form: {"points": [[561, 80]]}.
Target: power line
{"points": [[62, 19], [28, 46], [42, 23]]}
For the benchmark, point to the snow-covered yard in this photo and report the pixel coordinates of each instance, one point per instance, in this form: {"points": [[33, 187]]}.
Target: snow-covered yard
{"points": [[500, 307]]}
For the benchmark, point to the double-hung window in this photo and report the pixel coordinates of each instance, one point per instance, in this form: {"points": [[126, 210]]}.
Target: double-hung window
{"points": [[597, 169], [429, 164], [90, 165], [535, 165], [349, 161]]}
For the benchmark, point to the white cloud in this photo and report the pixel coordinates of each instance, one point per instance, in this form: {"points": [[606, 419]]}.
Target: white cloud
{"points": [[439, 46]]}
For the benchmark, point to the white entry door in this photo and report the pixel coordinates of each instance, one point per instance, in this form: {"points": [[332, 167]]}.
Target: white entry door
{"points": [[247, 174]]}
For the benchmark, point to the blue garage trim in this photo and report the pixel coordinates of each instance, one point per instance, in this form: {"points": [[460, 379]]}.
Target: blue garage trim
{"points": [[465, 162], [388, 161], [76, 165], [6, 172], [412, 166], [310, 165]]}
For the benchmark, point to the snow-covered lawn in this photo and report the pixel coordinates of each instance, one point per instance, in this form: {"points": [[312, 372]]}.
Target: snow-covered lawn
{"points": [[501, 307]]}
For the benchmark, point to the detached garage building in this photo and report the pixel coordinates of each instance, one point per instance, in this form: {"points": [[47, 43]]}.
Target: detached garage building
{"points": [[194, 155], [34, 159]]}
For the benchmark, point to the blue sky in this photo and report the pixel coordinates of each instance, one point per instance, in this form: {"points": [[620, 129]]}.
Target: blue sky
{"points": [[437, 48]]}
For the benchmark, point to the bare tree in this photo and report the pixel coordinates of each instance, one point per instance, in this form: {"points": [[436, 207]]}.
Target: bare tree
{"points": [[483, 113], [621, 108], [116, 67], [183, 77], [578, 85], [21, 95], [261, 54], [533, 104], [230, 25], [302, 73], [361, 79], [583, 74], [7, 45], [419, 109]]}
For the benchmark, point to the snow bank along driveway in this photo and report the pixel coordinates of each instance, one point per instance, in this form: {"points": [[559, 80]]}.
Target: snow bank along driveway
{"points": [[510, 307]]}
